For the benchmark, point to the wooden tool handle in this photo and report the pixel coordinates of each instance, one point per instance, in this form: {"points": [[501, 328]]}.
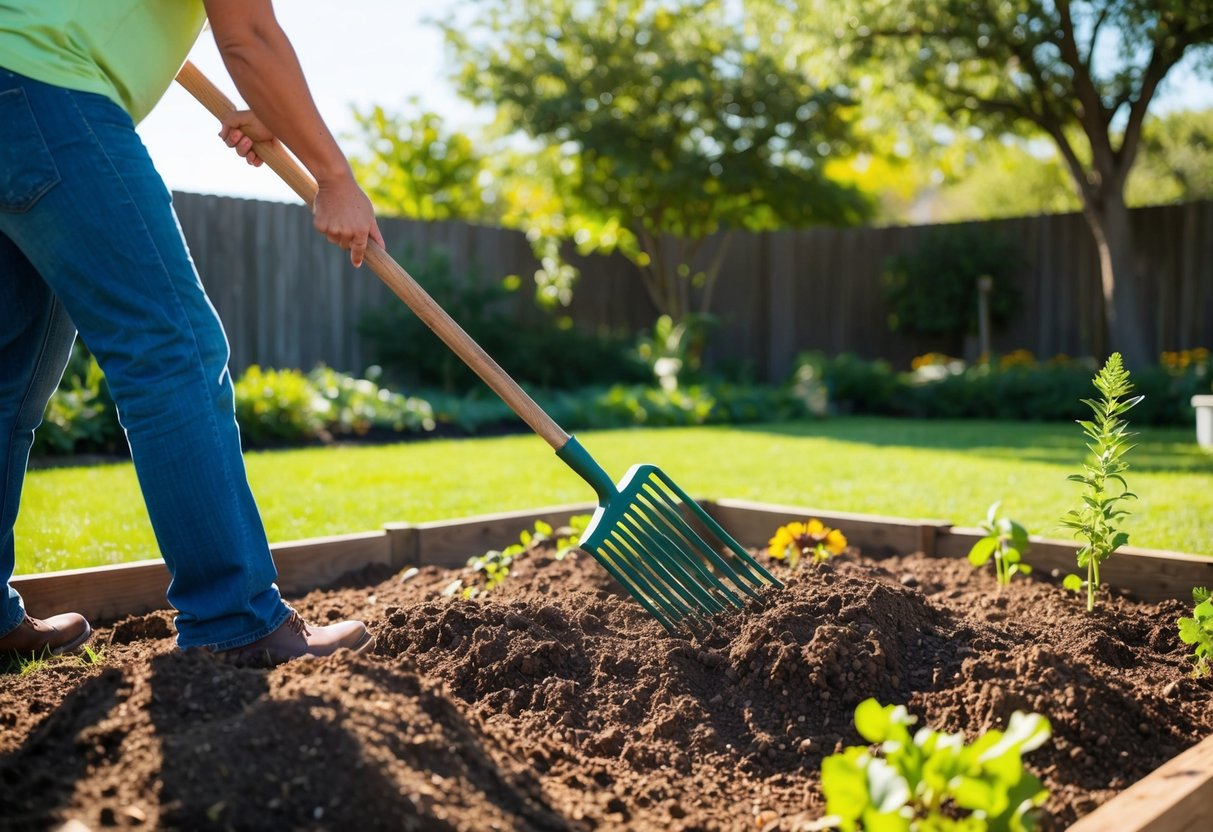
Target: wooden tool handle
{"points": [[391, 273]]}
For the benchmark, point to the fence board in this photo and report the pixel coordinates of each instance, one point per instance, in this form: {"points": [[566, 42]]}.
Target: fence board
{"points": [[289, 299]]}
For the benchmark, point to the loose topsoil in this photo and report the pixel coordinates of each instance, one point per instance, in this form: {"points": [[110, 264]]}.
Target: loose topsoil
{"points": [[555, 703]]}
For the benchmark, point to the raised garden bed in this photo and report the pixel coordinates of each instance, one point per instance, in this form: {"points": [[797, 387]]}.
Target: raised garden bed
{"points": [[555, 703]]}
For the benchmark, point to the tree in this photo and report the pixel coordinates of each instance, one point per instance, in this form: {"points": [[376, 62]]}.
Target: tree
{"points": [[1082, 72], [1176, 159], [663, 127], [414, 167]]}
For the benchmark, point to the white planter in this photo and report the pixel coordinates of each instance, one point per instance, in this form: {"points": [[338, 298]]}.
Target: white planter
{"points": [[1204, 420]]}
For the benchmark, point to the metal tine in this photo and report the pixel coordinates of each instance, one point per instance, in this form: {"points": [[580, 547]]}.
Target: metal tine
{"points": [[761, 579], [654, 568], [650, 600], [687, 552], [686, 557], [716, 528], [606, 563], [748, 581], [652, 537], [623, 556], [655, 540]]}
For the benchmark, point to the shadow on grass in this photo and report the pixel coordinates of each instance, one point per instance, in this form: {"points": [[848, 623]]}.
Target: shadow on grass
{"points": [[1157, 450]]}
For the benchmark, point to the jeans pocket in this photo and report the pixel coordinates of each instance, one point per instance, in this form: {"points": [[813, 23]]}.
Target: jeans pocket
{"points": [[27, 169]]}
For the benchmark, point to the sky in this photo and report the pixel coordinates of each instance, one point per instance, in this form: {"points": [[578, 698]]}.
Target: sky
{"points": [[376, 52]]}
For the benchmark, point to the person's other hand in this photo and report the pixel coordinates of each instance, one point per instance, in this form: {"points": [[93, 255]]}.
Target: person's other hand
{"points": [[343, 214], [240, 129]]}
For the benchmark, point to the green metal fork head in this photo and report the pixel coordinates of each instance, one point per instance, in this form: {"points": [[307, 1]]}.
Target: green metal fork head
{"points": [[642, 536]]}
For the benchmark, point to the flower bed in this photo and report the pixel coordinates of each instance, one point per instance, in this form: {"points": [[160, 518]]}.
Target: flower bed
{"points": [[553, 702]]}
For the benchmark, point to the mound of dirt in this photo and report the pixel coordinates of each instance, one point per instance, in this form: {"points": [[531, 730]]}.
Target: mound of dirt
{"points": [[554, 702]]}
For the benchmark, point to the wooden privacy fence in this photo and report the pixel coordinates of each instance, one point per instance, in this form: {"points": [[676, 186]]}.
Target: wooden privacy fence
{"points": [[290, 299]]}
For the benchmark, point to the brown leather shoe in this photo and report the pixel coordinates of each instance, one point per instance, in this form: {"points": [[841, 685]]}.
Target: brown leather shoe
{"points": [[295, 639], [51, 637]]}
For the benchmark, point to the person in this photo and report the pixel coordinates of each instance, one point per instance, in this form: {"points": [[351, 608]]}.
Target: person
{"points": [[89, 241]]}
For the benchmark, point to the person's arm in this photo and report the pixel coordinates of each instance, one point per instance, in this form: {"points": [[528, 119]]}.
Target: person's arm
{"points": [[266, 71]]}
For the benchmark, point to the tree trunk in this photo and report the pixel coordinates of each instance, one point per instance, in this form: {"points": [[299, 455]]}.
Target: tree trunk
{"points": [[1125, 308]]}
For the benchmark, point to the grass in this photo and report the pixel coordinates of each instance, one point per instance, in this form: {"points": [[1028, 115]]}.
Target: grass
{"points": [[27, 666], [75, 517]]}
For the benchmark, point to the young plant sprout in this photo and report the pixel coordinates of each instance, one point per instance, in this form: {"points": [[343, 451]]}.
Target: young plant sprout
{"points": [[1005, 542], [1104, 486], [813, 540], [495, 565], [1198, 630], [930, 779]]}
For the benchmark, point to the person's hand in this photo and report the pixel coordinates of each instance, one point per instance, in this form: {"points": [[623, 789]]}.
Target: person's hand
{"points": [[343, 213], [240, 129]]}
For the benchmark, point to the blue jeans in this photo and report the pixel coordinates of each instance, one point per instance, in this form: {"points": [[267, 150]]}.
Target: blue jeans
{"points": [[89, 240]]}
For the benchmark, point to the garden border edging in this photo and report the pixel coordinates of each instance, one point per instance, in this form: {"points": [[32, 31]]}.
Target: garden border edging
{"points": [[1176, 797]]}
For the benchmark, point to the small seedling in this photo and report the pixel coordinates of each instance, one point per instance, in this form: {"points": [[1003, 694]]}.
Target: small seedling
{"points": [[1005, 542], [1198, 630], [496, 564], [31, 664], [813, 540], [1097, 518], [933, 780]]}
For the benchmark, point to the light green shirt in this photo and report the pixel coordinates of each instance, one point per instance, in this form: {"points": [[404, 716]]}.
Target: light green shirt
{"points": [[127, 50]]}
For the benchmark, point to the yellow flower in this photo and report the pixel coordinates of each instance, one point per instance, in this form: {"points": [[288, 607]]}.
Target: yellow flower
{"points": [[836, 541], [812, 540]]}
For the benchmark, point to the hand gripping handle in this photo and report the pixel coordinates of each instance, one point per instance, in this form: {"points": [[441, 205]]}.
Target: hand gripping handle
{"points": [[391, 273]]}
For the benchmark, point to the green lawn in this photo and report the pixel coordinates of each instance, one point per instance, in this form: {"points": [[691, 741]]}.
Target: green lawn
{"points": [[75, 517]]}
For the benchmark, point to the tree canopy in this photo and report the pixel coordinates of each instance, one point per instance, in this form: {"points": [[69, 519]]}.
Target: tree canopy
{"points": [[1082, 72], [664, 124]]}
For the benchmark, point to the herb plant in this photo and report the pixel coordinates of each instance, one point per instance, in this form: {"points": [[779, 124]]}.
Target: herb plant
{"points": [[813, 540], [1198, 630], [1005, 542], [1104, 486], [932, 780]]}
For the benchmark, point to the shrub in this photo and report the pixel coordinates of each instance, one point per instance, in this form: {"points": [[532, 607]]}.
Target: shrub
{"points": [[546, 352], [80, 416], [1012, 387], [933, 289], [278, 405]]}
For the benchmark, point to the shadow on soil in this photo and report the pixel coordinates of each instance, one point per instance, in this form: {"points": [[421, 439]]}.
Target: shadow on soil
{"points": [[368, 747], [38, 780]]}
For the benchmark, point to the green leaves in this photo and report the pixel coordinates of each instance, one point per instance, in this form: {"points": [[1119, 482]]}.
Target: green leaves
{"points": [[495, 565], [668, 124], [1005, 541], [1198, 631], [1104, 486], [920, 777]]}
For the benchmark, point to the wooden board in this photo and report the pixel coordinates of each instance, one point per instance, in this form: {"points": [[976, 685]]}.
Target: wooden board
{"points": [[1150, 574], [449, 543], [1176, 797], [752, 524], [106, 593]]}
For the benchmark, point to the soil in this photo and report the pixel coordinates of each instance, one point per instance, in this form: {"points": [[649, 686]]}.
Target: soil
{"points": [[555, 703]]}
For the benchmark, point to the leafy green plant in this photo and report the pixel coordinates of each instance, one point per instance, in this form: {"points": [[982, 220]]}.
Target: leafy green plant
{"points": [[495, 565], [1198, 631], [80, 416], [1005, 542], [932, 780], [538, 349], [1096, 520]]}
